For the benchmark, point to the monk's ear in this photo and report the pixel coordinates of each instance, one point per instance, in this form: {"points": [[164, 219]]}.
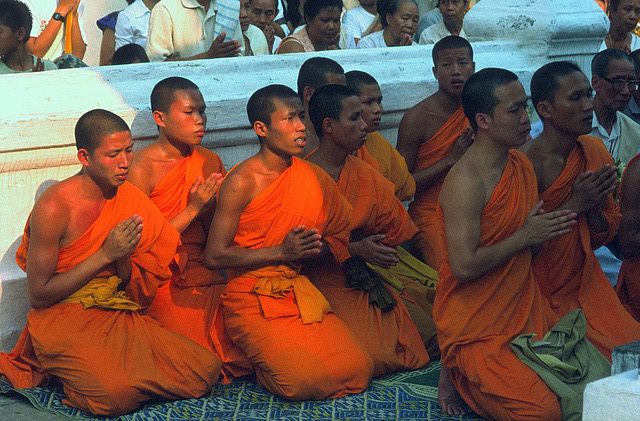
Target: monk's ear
{"points": [[158, 117], [307, 92], [260, 128], [20, 33], [596, 83], [83, 156], [327, 125], [433, 69], [482, 120], [544, 109]]}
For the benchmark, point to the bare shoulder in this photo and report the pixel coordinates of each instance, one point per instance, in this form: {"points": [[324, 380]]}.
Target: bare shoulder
{"points": [[464, 186], [53, 208], [290, 45], [240, 185]]}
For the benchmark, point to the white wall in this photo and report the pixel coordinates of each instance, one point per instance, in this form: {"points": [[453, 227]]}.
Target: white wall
{"points": [[39, 111]]}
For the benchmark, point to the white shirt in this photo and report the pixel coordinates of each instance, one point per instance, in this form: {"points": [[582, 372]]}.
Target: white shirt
{"points": [[41, 12], [132, 25], [436, 32], [375, 40], [635, 43], [357, 20], [611, 140]]}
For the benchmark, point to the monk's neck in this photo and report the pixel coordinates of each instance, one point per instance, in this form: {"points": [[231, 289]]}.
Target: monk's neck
{"points": [[491, 154], [93, 191], [312, 138], [173, 149], [606, 117], [273, 162], [449, 104], [330, 159], [556, 142]]}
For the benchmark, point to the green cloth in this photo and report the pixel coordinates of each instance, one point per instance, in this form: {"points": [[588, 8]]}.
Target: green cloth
{"points": [[565, 360], [362, 278], [408, 267]]}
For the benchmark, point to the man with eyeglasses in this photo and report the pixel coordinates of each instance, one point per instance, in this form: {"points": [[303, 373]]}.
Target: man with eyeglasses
{"points": [[633, 109]]}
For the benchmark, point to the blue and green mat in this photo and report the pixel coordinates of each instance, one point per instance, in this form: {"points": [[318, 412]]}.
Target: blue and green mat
{"points": [[401, 396]]}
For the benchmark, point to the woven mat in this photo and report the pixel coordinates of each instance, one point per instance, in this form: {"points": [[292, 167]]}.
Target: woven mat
{"points": [[402, 396]]}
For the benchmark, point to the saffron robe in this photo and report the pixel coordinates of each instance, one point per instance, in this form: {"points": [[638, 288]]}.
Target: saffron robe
{"points": [[628, 286], [112, 361], [423, 207], [391, 338], [391, 164], [477, 320], [265, 333], [566, 269], [187, 303]]}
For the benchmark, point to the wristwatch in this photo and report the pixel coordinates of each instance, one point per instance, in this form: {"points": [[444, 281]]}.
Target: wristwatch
{"points": [[57, 16]]}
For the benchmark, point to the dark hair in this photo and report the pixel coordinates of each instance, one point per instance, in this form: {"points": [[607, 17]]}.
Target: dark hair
{"points": [[450, 42], [613, 5], [291, 13], [312, 8], [635, 55], [438, 3], [356, 80], [600, 62], [261, 104], [478, 94], [95, 125], [15, 15], [386, 7], [314, 71], [130, 53], [326, 102], [544, 83], [163, 93]]}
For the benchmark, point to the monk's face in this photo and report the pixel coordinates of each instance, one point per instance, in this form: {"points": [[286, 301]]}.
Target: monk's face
{"points": [[350, 131], [108, 164], [509, 124], [262, 13], [571, 110], [371, 99], [185, 121], [285, 135], [324, 29], [610, 93], [452, 70]]}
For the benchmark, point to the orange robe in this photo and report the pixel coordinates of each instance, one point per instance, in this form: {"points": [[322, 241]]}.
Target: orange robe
{"points": [[423, 207], [391, 338], [477, 320], [112, 361], [628, 286], [566, 268], [187, 303], [391, 164], [260, 321]]}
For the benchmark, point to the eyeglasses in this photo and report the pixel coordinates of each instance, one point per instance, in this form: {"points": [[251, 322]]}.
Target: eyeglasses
{"points": [[618, 84]]}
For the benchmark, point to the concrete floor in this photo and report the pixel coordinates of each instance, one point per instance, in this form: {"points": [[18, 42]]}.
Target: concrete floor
{"points": [[14, 407]]}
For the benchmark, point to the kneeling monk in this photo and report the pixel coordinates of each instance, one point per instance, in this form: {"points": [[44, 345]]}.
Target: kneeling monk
{"points": [[85, 237], [274, 211]]}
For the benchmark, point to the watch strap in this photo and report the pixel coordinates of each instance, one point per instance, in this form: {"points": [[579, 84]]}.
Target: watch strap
{"points": [[57, 16]]}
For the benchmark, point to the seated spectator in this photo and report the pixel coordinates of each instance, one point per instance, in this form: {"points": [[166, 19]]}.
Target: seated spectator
{"points": [[15, 26], [453, 12], [361, 19], [322, 31], [262, 14], [254, 42], [132, 26], [399, 20], [633, 109], [107, 24], [48, 39], [129, 54], [293, 18], [623, 17], [168, 40], [430, 18]]}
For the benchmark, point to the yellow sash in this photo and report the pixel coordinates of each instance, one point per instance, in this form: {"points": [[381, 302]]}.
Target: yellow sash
{"points": [[103, 293], [276, 281]]}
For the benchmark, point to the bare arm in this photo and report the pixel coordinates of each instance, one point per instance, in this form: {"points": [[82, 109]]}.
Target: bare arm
{"points": [[629, 232], [47, 227], [219, 48], [38, 46], [108, 46], [235, 194], [290, 46], [462, 200]]}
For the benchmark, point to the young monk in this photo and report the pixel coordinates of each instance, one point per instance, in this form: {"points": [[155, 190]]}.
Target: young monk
{"points": [[85, 236], [378, 224], [274, 211], [432, 137], [392, 164], [628, 286], [182, 178], [492, 219], [576, 172]]}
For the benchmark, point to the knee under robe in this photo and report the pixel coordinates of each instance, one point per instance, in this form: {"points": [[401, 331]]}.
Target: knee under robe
{"points": [[187, 303], [391, 164], [477, 320], [391, 337], [423, 207], [263, 319], [111, 361], [566, 269]]}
